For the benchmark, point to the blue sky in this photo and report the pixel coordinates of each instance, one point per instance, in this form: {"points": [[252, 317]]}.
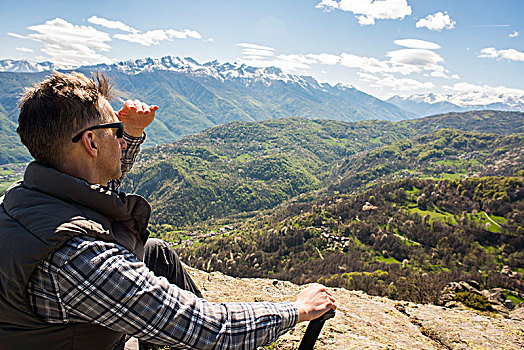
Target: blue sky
{"points": [[383, 47]]}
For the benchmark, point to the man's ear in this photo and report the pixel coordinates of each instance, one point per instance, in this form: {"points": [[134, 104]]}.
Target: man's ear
{"points": [[90, 143]]}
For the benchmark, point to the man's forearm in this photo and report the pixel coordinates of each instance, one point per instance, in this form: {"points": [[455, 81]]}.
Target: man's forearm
{"points": [[128, 158], [102, 278]]}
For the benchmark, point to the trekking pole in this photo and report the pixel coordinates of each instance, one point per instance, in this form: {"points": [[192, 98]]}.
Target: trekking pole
{"points": [[313, 331]]}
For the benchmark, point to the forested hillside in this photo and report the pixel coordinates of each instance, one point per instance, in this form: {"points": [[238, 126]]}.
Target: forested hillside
{"points": [[246, 167], [406, 239], [394, 209], [446, 153], [12, 150], [12, 86], [496, 122]]}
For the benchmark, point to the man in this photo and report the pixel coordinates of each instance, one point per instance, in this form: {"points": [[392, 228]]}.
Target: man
{"points": [[71, 249]]}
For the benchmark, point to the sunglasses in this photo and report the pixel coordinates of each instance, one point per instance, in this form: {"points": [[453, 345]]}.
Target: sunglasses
{"points": [[118, 125]]}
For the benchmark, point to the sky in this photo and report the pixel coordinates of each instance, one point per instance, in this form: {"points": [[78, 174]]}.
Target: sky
{"points": [[382, 47]]}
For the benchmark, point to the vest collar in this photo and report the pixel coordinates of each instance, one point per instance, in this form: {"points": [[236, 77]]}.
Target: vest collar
{"points": [[119, 207]]}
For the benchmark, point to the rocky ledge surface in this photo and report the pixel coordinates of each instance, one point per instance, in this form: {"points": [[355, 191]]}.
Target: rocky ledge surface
{"points": [[369, 322]]}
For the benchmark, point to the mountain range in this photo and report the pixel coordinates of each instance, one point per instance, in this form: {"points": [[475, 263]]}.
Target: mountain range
{"points": [[193, 96], [430, 103]]}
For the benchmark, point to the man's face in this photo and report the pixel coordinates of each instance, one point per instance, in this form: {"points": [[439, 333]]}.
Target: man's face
{"points": [[110, 152]]}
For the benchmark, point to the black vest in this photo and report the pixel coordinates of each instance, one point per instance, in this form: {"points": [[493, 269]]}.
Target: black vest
{"points": [[37, 216]]}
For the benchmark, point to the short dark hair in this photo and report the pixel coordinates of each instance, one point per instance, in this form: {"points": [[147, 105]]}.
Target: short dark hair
{"points": [[56, 108]]}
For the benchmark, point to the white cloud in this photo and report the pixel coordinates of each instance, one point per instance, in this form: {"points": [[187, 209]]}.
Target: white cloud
{"points": [[509, 54], [374, 65], [514, 34], [257, 52], [367, 11], [367, 77], [255, 46], [398, 84], [468, 87], [154, 37], [111, 24], [187, 33], [404, 61], [24, 49], [408, 61], [325, 58], [253, 58], [17, 35], [438, 74], [68, 44], [59, 30], [367, 64], [299, 59], [288, 63], [437, 21], [263, 56], [417, 44], [470, 94], [415, 57]]}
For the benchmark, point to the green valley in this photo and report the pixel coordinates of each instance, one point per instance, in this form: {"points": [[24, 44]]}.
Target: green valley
{"points": [[397, 209]]}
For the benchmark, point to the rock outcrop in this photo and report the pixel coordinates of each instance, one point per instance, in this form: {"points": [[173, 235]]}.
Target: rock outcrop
{"points": [[493, 299], [369, 322]]}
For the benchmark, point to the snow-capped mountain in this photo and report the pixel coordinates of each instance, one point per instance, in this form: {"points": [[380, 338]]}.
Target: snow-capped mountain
{"points": [[25, 66], [480, 99], [194, 96], [214, 69], [220, 71]]}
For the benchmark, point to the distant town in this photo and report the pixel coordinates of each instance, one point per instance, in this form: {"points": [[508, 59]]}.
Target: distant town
{"points": [[9, 173]]}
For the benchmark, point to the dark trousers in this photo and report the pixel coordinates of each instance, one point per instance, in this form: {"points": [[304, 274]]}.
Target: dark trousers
{"points": [[162, 259]]}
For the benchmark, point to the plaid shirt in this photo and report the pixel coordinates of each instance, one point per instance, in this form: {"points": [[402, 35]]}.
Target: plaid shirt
{"points": [[93, 281], [128, 158]]}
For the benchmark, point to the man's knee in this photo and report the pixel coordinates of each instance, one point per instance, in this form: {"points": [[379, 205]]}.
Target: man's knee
{"points": [[155, 244], [159, 252], [161, 258]]}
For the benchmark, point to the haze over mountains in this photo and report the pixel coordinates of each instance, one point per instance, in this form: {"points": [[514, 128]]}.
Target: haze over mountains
{"points": [[430, 104], [195, 96]]}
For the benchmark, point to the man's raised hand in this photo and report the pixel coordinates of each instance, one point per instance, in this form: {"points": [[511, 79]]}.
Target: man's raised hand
{"points": [[136, 116]]}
